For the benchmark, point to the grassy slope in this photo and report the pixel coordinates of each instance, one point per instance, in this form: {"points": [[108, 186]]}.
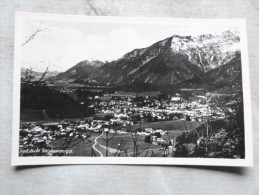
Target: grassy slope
{"points": [[176, 125], [81, 149]]}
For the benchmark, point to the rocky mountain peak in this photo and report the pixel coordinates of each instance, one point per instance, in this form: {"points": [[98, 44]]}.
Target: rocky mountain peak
{"points": [[207, 51]]}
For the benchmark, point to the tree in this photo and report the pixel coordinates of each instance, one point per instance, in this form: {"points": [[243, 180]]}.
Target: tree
{"points": [[149, 117]]}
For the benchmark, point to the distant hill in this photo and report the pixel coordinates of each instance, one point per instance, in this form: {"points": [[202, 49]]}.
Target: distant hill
{"points": [[37, 75], [56, 104], [84, 68]]}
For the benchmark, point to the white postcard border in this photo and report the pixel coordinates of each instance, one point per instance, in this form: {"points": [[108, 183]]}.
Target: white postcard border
{"points": [[17, 160]]}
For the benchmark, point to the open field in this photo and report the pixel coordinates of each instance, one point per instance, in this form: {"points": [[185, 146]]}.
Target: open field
{"points": [[128, 144], [143, 93], [85, 147], [174, 128], [175, 125], [49, 120]]}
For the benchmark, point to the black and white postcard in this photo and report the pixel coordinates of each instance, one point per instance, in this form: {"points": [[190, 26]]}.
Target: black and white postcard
{"points": [[119, 90]]}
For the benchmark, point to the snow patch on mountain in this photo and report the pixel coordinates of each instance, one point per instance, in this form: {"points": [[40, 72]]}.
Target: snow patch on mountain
{"points": [[134, 70], [208, 51], [147, 60]]}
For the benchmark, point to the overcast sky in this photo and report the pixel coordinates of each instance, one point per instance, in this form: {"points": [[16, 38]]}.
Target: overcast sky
{"points": [[60, 45]]}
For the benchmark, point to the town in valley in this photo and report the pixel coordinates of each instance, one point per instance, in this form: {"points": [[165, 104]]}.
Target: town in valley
{"points": [[180, 97]]}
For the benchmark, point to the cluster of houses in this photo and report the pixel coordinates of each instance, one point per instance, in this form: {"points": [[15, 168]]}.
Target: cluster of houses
{"points": [[122, 109], [154, 137], [34, 137]]}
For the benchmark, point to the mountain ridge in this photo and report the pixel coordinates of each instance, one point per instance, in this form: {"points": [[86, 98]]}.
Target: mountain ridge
{"points": [[167, 62]]}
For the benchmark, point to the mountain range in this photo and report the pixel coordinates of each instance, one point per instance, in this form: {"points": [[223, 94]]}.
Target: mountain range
{"points": [[208, 60], [26, 73]]}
